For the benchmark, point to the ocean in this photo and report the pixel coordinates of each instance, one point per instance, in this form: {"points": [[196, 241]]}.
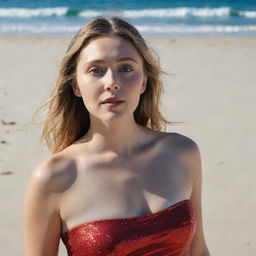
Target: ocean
{"points": [[150, 17]]}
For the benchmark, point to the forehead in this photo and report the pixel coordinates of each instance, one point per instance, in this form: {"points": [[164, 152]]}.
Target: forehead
{"points": [[108, 47]]}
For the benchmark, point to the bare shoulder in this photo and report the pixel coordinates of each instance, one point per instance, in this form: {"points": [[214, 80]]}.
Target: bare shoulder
{"points": [[54, 173], [42, 222], [181, 143], [188, 153]]}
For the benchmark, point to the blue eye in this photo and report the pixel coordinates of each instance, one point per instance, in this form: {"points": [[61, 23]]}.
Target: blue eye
{"points": [[126, 68], [97, 71]]}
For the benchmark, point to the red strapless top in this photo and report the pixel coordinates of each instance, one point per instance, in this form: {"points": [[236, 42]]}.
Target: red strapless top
{"points": [[168, 232]]}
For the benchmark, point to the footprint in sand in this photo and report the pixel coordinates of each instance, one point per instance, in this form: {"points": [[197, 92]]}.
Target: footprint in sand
{"points": [[4, 142], [7, 123], [5, 173]]}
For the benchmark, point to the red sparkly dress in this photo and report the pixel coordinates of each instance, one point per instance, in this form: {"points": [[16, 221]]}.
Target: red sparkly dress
{"points": [[168, 232]]}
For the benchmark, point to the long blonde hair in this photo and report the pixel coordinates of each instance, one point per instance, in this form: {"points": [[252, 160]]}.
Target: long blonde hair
{"points": [[68, 119]]}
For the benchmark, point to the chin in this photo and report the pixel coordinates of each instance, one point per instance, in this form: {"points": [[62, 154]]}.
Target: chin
{"points": [[112, 116]]}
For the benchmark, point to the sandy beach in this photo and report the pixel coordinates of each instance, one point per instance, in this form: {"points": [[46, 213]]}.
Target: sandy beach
{"points": [[212, 89]]}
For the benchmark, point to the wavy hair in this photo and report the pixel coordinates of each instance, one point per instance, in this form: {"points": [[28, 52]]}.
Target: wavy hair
{"points": [[68, 119]]}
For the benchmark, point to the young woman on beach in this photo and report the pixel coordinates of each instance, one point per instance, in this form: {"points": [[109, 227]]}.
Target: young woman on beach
{"points": [[116, 183]]}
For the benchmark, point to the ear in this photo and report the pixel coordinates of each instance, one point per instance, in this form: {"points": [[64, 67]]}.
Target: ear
{"points": [[144, 85], [76, 89]]}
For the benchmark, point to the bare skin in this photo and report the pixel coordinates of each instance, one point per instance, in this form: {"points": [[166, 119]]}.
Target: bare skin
{"points": [[118, 169], [117, 186]]}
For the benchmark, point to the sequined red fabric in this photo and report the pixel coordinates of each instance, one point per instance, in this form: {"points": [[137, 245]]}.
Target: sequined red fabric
{"points": [[168, 232]]}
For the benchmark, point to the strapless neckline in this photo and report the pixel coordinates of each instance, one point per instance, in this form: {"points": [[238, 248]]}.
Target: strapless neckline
{"points": [[121, 219]]}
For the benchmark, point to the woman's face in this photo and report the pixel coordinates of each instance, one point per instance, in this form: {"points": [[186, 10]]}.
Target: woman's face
{"points": [[109, 66]]}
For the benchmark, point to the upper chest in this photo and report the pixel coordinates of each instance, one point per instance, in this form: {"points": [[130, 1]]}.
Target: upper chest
{"points": [[112, 187]]}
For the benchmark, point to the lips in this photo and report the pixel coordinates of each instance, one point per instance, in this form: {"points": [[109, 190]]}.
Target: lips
{"points": [[112, 100]]}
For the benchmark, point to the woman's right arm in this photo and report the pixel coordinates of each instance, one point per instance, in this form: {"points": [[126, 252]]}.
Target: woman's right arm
{"points": [[42, 224]]}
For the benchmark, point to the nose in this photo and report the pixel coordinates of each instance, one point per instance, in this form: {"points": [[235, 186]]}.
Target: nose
{"points": [[111, 81]]}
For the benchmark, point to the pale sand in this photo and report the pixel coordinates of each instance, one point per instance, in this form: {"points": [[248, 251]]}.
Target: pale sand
{"points": [[214, 91]]}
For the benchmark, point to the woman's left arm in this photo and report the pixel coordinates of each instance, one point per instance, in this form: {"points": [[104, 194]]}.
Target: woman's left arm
{"points": [[198, 246]]}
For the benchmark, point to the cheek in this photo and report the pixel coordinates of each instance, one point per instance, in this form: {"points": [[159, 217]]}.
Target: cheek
{"points": [[135, 80], [87, 85], [90, 92], [82, 80]]}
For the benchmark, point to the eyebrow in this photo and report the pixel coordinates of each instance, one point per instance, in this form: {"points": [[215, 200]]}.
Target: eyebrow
{"points": [[103, 61]]}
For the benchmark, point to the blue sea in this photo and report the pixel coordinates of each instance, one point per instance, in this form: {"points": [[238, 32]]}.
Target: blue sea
{"points": [[151, 17]]}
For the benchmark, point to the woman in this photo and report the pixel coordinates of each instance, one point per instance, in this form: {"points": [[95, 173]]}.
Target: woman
{"points": [[115, 184]]}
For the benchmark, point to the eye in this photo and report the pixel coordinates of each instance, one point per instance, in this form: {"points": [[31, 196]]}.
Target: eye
{"points": [[96, 70], [126, 68]]}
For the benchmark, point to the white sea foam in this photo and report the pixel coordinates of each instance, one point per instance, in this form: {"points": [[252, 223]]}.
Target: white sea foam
{"points": [[248, 14], [204, 29], [90, 14], [8, 29], [207, 12], [29, 13], [168, 30], [179, 12]]}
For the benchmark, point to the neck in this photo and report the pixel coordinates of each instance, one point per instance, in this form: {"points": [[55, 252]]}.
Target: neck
{"points": [[116, 136]]}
